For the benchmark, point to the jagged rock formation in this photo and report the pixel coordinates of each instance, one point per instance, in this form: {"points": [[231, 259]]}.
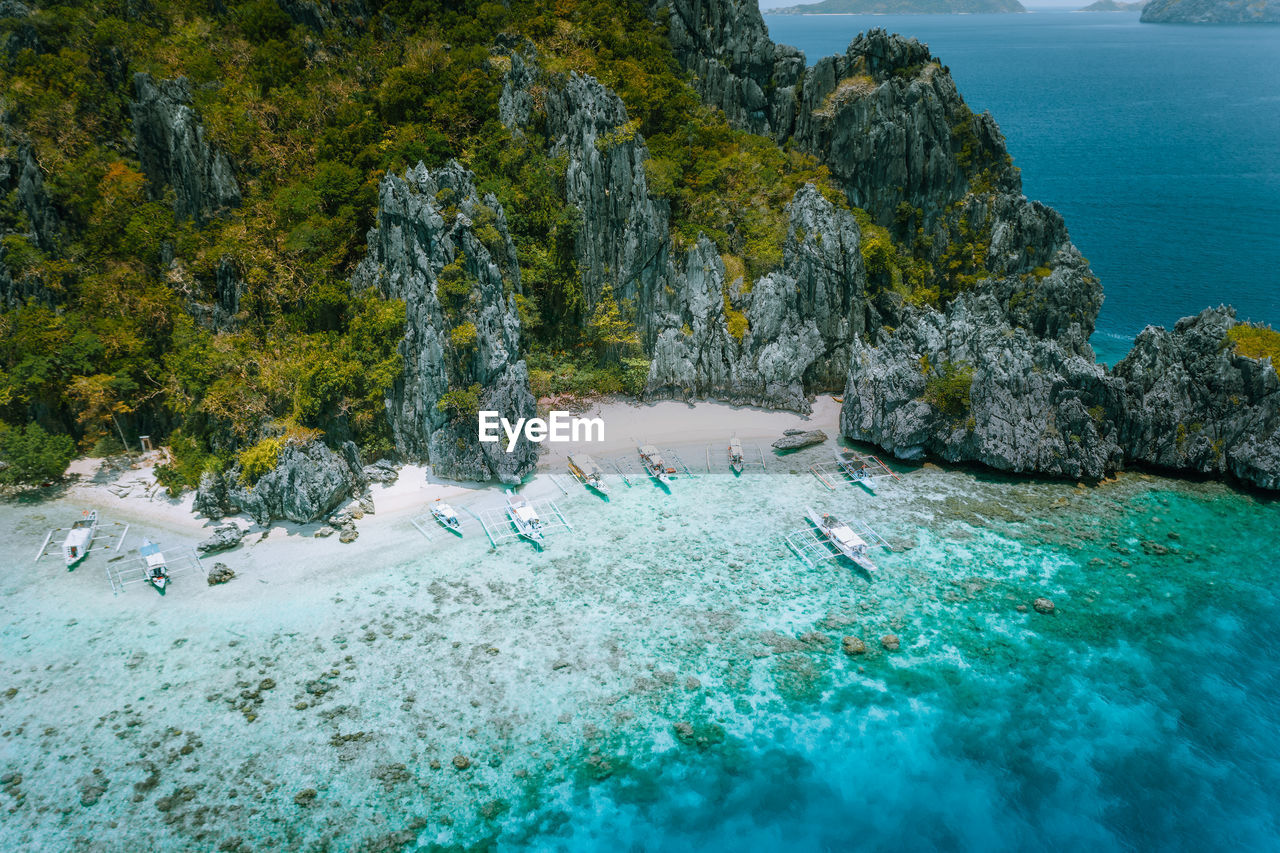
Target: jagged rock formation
{"points": [[1000, 370], [966, 384], [1191, 403], [735, 65], [173, 151], [792, 327], [308, 482], [320, 15], [22, 176], [1211, 12], [448, 255]]}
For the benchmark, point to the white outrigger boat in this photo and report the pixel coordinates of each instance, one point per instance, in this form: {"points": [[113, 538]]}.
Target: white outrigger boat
{"points": [[80, 539], [588, 473], [524, 517], [736, 460], [654, 465], [842, 536], [84, 535], [157, 567], [447, 516]]}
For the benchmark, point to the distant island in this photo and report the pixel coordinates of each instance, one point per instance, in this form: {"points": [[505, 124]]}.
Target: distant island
{"points": [[903, 7], [1114, 6], [1212, 12]]}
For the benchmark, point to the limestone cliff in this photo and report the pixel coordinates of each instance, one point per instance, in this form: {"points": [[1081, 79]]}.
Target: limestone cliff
{"points": [[1191, 402], [708, 332], [447, 253], [174, 152]]}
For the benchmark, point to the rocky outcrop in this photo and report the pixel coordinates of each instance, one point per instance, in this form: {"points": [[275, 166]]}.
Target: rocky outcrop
{"points": [[1191, 403], [795, 439], [224, 538], [1211, 12], [173, 150], [307, 483], [448, 255], [708, 331], [796, 323], [623, 237], [966, 384], [886, 118], [735, 65]]}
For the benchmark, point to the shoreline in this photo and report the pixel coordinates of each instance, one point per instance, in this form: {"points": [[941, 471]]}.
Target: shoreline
{"points": [[286, 553]]}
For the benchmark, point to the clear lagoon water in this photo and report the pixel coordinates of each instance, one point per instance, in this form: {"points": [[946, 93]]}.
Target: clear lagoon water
{"points": [[672, 678], [1159, 144]]}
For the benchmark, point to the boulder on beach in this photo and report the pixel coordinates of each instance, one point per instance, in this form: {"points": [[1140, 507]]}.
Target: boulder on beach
{"points": [[225, 537], [348, 534], [220, 574], [794, 439]]}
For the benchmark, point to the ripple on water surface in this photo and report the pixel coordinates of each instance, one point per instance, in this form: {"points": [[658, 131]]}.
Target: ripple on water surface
{"points": [[670, 676]]}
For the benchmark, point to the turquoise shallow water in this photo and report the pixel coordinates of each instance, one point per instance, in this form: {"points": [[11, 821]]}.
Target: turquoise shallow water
{"points": [[1158, 144], [672, 678]]}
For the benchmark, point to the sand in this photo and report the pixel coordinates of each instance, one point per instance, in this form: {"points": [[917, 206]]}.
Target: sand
{"points": [[285, 553]]}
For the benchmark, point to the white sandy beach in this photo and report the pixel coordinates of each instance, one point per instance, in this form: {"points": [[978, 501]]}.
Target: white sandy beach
{"points": [[285, 553]]}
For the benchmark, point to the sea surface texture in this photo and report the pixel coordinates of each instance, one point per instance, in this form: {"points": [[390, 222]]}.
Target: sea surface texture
{"points": [[1159, 144], [671, 677]]}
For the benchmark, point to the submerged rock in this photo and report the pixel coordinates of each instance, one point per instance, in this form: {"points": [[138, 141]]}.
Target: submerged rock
{"points": [[853, 646], [890, 642], [796, 439], [1043, 605]]}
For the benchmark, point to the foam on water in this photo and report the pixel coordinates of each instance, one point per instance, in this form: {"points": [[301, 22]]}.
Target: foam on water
{"points": [[671, 677]]}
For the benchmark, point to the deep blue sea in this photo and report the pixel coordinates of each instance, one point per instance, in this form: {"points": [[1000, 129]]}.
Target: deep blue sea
{"points": [[1159, 144]]}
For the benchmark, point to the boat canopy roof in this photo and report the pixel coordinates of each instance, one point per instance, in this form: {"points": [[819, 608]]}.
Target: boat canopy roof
{"points": [[845, 535], [584, 463], [525, 513]]}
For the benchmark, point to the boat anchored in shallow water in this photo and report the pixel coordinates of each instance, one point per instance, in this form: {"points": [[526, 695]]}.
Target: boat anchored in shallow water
{"points": [[447, 516], [82, 537], [524, 518], [843, 538], [157, 567], [588, 473], [654, 465], [736, 460], [829, 537]]}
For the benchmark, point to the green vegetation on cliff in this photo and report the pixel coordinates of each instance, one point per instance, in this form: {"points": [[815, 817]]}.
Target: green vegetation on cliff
{"points": [[1255, 342]]}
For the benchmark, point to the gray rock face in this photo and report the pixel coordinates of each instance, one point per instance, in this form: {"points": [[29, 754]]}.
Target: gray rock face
{"points": [[428, 221], [800, 318], [1192, 404], [172, 148], [798, 438], [224, 538], [308, 482], [889, 123], [967, 384], [1211, 12], [735, 66], [35, 201], [791, 328], [624, 238]]}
